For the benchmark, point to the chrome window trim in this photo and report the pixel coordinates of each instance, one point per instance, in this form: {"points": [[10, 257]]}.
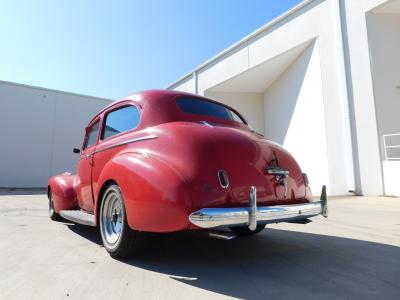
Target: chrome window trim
{"points": [[147, 137], [107, 113]]}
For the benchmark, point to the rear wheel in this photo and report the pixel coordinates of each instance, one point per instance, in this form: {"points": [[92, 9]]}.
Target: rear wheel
{"points": [[244, 230], [52, 213], [118, 239]]}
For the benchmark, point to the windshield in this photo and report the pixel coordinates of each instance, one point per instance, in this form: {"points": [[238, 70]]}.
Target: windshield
{"points": [[207, 108]]}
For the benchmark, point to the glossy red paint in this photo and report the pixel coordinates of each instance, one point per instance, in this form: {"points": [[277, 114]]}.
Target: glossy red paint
{"points": [[167, 167], [63, 189]]}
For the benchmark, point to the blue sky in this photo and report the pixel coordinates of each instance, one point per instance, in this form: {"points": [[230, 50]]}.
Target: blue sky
{"points": [[113, 48]]}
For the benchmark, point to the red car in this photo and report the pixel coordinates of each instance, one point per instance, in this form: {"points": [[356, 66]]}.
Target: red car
{"points": [[164, 161]]}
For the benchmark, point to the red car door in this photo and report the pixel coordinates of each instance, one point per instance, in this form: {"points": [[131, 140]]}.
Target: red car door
{"points": [[116, 121], [85, 164]]}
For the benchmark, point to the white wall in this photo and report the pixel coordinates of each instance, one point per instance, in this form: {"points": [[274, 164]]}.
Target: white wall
{"points": [[39, 129], [391, 172], [188, 85], [294, 116], [250, 105], [384, 41], [362, 94]]}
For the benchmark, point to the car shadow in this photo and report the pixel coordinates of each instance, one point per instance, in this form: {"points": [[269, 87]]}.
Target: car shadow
{"points": [[90, 233], [275, 263]]}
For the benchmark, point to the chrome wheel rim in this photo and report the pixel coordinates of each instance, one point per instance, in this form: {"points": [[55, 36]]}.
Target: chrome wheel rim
{"points": [[112, 218]]}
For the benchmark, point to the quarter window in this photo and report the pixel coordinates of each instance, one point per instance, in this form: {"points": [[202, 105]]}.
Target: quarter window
{"points": [[121, 120], [91, 135]]}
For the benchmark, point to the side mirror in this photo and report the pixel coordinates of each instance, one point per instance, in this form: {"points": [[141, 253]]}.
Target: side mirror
{"points": [[76, 150]]}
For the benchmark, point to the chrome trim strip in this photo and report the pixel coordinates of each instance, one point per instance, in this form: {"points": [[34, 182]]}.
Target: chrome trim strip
{"points": [[147, 137], [277, 171], [206, 123], [78, 216], [247, 216]]}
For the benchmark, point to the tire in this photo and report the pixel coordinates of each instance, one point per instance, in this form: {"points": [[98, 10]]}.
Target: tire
{"points": [[52, 213], [118, 238], [245, 231]]}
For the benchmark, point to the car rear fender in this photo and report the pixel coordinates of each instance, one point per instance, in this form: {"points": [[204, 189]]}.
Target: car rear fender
{"points": [[156, 195]]}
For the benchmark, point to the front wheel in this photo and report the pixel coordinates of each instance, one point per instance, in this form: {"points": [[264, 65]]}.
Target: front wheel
{"points": [[244, 230], [118, 239], [52, 213]]}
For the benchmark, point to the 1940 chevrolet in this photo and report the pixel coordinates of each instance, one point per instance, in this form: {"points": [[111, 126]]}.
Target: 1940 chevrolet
{"points": [[163, 161]]}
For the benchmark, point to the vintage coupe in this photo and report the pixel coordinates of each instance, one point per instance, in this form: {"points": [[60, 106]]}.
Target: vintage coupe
{"points": [[164, 161]]}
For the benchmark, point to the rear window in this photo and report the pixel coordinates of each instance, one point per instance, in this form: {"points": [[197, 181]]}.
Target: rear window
{"points": [[207, 108]]}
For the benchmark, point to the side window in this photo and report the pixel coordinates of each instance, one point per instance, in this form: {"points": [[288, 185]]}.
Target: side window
{"points": [[121, 120], [91, 135]]}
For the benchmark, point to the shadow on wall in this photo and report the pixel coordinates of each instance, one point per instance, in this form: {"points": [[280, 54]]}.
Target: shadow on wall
{"points": [[281, 97], [275, 264], [384, 43]]}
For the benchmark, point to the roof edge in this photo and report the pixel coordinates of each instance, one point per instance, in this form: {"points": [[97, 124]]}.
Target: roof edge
{"points": [[242, 41], [52, 90]]}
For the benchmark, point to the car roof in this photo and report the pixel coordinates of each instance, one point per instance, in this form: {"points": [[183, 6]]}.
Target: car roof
{"points": [[156, 96]]}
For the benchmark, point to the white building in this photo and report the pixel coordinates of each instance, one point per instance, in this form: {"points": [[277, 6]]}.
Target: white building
{"points": [[39, 129], [324, 81]]}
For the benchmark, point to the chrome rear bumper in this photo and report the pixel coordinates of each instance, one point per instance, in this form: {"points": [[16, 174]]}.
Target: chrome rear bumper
{"points": [[252, 216]]}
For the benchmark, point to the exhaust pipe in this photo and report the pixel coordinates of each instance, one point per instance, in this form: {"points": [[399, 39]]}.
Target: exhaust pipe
{"points": [[222, 235]]}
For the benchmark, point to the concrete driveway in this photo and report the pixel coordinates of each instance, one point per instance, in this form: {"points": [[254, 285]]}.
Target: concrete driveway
{"points": [[354, 254]]}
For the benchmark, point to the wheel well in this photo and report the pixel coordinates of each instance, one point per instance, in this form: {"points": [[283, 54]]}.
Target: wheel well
{"points": [[100, 197], [48, 191]]}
